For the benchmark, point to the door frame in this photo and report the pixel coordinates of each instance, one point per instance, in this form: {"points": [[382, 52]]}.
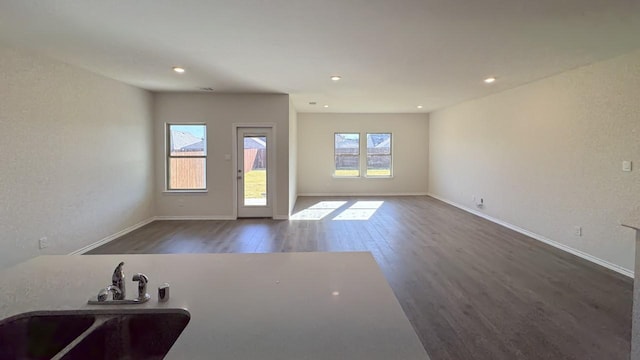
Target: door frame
{"points": [[271, 159]]}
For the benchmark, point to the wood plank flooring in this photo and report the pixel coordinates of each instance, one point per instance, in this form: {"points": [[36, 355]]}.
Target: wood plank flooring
{"points": [[472, 289]]}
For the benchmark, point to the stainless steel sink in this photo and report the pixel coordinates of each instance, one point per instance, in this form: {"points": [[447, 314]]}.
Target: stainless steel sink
{"points": [[131, 336], [40, 335], [92, 334]]}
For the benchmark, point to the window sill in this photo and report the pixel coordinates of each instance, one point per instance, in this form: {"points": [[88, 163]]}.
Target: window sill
{"points": [[346, 177], [185, 191], [363, 177]]}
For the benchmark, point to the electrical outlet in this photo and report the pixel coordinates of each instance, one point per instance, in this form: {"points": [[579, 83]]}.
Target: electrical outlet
{"points": [[43, 242], [577, 230]]}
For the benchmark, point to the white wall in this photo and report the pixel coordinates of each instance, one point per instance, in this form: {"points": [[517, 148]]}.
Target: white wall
{"points": [[316, 163], [76, 152], [547, 156], [293, 157], [219, 112]]}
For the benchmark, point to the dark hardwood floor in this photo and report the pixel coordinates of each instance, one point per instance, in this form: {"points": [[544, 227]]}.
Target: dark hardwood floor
{"points": [[472, 289]]}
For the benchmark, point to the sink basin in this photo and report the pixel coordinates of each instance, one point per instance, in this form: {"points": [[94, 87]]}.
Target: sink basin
{"points": [[92, 334], [132, 336], [40, 335]]}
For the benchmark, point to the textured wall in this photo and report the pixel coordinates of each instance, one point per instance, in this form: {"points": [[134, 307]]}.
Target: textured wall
{"points": [[76, 152], [547, 156], [410, 141], [219, 112]]}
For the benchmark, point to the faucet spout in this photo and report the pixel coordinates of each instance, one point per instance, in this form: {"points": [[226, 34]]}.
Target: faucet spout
{"points": [[118, 280]]}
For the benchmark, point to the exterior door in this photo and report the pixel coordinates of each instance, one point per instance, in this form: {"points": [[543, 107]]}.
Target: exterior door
{"points": [[254, 172]]}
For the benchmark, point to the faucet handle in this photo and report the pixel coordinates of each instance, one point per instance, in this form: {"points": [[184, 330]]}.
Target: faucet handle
{"points": [[142, 280], [104, 293]]}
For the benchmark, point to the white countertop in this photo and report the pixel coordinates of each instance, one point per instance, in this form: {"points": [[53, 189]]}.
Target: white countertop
{"points": [[243, 306]]}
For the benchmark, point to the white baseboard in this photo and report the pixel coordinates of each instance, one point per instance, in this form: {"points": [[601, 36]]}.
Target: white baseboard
{"points": [[113, 237], [194, 218], [364, 194], [276, 217], [584, 255]]}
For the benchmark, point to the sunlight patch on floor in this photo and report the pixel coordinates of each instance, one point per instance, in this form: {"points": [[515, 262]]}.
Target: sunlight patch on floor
{"points": [[361, 210], [318, 211]]}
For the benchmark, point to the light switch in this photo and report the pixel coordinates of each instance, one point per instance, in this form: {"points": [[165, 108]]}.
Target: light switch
{"points": [[227, 157], [626, 165]]}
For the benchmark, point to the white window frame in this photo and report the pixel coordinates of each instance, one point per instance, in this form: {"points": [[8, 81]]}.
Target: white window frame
{"points": [[366, 155], [358, 156], [169, 157]]}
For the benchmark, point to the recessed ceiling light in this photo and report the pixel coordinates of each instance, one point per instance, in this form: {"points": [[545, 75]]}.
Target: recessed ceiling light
{"points": [[178, 69], [336, 77], [489, 80], [326, 106], [419, 106]]}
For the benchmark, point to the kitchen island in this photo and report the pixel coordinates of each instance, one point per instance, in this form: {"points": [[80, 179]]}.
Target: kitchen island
{"points": [[242, 306], [633, 222]]}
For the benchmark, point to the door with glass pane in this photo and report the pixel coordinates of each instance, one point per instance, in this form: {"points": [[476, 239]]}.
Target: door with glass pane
{"points": [[254, 173]]}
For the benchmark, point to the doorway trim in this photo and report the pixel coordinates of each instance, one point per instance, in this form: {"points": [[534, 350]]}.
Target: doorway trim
{"points": [[271, 158]]}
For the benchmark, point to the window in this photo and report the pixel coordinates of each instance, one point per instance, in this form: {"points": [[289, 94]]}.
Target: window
{"points": [[347, 154], [378, 154], [186, 157]]}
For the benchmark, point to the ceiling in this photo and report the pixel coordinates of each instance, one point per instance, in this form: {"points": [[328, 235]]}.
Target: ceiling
{"points": [[392, 54]]}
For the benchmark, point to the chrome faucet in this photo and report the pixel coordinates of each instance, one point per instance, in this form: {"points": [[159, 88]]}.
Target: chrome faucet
{"points": [[117, 289], [142, 280], [118, 280]]}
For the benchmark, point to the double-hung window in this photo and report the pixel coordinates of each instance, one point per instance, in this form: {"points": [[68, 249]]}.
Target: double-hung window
{"points": [[378, 154], [186, 157], [377, 158], [347, 154]]}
